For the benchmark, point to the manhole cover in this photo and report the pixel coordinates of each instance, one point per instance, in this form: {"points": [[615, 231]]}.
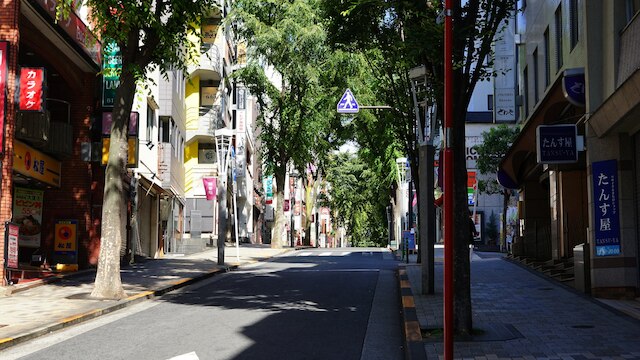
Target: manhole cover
{"points": [[582, 326]]}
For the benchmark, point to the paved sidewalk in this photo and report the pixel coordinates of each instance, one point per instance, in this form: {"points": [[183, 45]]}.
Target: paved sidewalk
{"points": [[523, 315], [39, 310]]}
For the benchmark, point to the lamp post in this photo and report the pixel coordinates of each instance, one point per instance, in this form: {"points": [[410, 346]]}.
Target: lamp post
{"points": [[293, 176], [223, 139]]}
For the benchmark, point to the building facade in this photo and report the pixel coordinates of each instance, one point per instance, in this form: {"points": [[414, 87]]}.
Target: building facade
{"points": [[51, 67], [578, 208]]}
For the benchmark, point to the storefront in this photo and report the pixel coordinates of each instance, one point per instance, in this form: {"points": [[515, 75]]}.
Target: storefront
{"points": [[49, 189]]}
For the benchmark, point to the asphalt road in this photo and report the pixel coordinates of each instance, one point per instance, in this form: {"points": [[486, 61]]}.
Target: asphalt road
{"points": [[310, 304]]}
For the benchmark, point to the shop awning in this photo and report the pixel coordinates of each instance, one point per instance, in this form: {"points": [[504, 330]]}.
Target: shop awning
{"points": [[520, 160]]}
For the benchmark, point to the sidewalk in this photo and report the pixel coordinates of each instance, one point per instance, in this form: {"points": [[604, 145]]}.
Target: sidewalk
{"points": [[519, 314], [38, 310]]}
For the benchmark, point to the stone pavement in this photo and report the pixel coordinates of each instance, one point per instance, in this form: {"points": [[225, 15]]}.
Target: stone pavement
{"points": [[520, 314], [31, 311]]}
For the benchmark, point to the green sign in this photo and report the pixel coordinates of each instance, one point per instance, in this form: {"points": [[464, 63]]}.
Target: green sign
{"points": [[111, 66]]}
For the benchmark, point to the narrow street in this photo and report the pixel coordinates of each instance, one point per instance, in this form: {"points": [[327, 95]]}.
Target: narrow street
{"points": [[309, 304]]}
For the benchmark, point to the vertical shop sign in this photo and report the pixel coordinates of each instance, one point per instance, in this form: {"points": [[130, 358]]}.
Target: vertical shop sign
{"points": [[111, 66], [31, 89], [11, 245], [66, 236], [27, 213], [4, 46], [607, 217]]}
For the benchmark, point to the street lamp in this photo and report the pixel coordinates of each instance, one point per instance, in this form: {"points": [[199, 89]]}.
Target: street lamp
{"points": [[223, 139]]}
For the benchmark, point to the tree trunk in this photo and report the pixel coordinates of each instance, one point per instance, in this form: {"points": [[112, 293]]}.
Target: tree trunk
{"points": [[462, 236], [506, 195], [426, 222], [108, 283], [278, 238]]}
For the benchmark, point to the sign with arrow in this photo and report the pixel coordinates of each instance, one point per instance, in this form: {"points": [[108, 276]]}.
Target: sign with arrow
{"points": [[348, 103]]}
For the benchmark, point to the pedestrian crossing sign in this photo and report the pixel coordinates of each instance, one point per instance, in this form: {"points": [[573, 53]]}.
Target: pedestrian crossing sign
{"points": [[348, 103]]}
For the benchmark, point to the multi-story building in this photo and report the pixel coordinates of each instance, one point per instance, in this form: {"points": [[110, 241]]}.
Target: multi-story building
{"points": [[214, 102], [46, 138], [578, 65]]}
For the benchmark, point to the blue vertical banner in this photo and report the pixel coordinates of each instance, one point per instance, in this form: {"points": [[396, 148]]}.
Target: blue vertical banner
{"points": [[606, 208]]}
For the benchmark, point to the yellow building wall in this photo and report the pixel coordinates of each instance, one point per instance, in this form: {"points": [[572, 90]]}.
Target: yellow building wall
{"points": [[192, 102], [190, 161]]}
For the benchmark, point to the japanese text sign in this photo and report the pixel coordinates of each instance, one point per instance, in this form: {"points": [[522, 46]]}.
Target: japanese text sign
{"points": [[210, 187], [36, 164], [65, 241], [12, 245], [556, 144], [605, 201], [31, 89], [4, 58]]}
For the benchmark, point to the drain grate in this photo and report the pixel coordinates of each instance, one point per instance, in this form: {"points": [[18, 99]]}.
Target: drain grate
{"points": [[582, 326]]}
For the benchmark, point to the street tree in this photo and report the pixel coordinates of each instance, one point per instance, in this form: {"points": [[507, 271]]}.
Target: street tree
{"points": [[151, 35], [414, 30], [286, 71], [355, 199], [495, 144]]}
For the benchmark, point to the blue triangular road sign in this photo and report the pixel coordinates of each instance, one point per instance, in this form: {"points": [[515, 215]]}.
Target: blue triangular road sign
{"points": [[348, 103]]}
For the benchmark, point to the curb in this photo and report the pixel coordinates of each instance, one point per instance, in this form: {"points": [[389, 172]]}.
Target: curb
{"points": [[131, 300], [413, 345]]}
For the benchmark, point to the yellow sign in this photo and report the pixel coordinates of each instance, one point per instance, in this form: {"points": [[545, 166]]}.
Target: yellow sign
{"points": [[66, 235], [132, 158], [35, 164]]}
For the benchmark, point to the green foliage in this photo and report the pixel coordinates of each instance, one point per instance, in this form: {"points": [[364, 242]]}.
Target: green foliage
{"points": [[287, 38], [152, 35], [495, 144], [355, 199], [491, 229]]}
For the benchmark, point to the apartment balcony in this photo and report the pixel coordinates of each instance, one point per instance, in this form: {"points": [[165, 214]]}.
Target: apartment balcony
{"points": [[170, 168], [209, 65], [203, 121]]}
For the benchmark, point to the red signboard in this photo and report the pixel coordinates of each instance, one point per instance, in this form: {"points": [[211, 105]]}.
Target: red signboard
{"points": [[4, 58], [31, 89], [12, 245]]}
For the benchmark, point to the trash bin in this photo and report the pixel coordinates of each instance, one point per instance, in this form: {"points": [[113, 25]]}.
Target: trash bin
{"points": [[581, 268]]}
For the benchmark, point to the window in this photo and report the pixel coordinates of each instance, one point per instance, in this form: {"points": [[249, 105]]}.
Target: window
{"points": [[206, 153], [151, 122], [558, 23], [573, 22], [490, 102], [163, 134], [536, 75], [547, 59]]}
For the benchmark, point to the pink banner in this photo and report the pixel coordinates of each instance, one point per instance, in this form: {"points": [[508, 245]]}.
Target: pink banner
{"points": [[210, 187]]}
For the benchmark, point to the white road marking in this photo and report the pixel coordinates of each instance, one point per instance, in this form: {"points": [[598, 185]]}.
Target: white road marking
{"points": [[189, 356]]}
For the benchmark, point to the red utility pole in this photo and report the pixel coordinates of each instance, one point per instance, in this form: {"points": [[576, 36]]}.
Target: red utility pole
{"points": [[448, 181]]}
